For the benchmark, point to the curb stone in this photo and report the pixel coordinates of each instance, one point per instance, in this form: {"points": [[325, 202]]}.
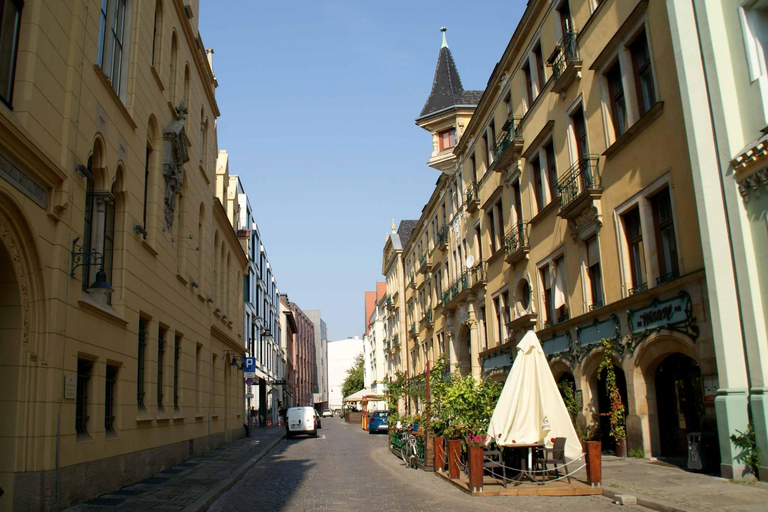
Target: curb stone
{"points": [[212, 495], [647, 502]]}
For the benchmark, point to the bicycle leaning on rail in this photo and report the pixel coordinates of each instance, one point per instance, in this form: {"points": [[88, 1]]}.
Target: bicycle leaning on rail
{"points": [[408, 448]]}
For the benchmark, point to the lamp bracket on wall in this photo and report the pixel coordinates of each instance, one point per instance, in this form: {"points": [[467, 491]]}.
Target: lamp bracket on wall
{"points": [[80, 258]]}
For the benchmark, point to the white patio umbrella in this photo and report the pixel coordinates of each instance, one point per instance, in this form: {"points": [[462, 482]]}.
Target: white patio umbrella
{"points": [[530, 409]]}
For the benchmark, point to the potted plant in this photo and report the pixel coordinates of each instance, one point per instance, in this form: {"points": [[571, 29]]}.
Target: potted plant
{"points": [[617, 415]]}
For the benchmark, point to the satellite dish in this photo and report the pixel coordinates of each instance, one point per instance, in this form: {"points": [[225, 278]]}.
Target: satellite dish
{"points": [[470, 261]]}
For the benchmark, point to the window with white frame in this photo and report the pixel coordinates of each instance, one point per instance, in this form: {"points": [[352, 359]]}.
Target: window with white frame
{"points": [[594, 273], [532, 76], [633, 231], [544, 175], [754, 21], [629, 83], [554, 291], [114, 27]]}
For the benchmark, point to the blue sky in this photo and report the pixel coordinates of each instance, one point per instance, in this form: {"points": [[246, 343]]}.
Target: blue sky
{"points": [[318, 101]]}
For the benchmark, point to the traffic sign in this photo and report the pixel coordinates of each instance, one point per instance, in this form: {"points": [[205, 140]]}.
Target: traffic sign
{"points": [[279, 382], [250, 367], [249, 395], [249, 381]]}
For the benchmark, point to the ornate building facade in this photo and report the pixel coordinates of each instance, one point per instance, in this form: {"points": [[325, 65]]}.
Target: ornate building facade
{"points": [[560, 208], [121, 271]]}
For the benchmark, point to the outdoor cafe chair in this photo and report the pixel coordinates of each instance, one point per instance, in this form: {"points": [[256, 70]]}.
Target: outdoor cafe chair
{"points": [[555, 456], [493, 459]]}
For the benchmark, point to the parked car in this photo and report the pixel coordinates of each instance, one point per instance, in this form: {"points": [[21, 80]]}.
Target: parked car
{"points": [[377, 421], [301, 420], [327, 413]]}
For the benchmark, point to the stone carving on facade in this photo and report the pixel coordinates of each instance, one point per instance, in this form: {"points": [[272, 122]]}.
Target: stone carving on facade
{"points": [[175, 155], [510, 174], [752, 184], [18, 265], [589, 216], [462, 313]]}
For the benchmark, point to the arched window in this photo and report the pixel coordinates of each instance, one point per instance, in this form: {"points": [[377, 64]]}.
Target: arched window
{"points": [[114, 44], [157, 34], [98, 217], [174, 58]]}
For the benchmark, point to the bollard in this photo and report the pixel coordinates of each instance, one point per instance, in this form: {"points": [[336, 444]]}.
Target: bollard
{"points": [[594, 463]]}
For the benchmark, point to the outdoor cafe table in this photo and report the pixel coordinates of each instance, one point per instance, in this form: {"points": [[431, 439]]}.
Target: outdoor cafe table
{"points": [[526, 473]]}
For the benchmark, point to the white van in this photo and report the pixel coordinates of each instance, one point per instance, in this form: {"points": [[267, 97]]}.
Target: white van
{"points": [[300, 420]]}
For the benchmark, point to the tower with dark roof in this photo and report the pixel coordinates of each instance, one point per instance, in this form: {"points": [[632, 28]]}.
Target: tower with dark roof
{"points": [[447, 111]]}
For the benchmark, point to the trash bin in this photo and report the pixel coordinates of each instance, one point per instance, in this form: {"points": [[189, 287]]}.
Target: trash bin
{"points": [[696, 452]]}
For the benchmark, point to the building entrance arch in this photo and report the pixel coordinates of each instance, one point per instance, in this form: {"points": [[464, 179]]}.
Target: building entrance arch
{"points": [[679, 403], [604, 405]]}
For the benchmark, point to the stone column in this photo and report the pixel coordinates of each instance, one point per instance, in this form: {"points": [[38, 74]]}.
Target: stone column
{"points": [[450, 332]]}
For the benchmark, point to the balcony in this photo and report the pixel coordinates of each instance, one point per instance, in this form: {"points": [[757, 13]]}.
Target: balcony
{"points": [[565, 62], [579, 187], [472, 197], [425, 263], [412, 282], [426, 320], [389, 303], [442, 237], [395, 340], [508, 145], [516, 243], [469, 280], [412, 332]]}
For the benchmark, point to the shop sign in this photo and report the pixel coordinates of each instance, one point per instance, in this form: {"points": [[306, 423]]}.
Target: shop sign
{"points": [[674, 314], [497, 362], [557, 344], [24, 183]]}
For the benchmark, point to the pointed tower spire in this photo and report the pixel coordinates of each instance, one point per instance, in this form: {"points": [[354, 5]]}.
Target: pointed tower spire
{"points": [[447, 90]]}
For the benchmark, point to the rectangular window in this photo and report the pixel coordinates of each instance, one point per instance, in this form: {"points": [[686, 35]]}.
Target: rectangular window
{"points": [[500, 221], [87, 226], [505, 308], [528, 82], [539, 67], [618, 103], [492, 140], [161, 332], [549, 150], [492, 231], [483, 327], [566, 21], [140, 361], [499, 334], [560, 291], [518, 201], [81, 404], [198, 350], [247, 287], [176, 360], [634, 234], [641, 59], [666, 243], [537, 186], [10, 21], [594, 273], [109, 399], [447, 139], [546, 284], [580, 133]]}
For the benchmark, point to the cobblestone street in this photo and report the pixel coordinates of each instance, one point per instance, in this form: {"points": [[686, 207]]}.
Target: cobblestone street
{"points": [[345, 468]]}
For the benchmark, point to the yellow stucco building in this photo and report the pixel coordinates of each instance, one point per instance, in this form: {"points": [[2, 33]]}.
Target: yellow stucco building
{"points": [[565, 205], [120, 268]]}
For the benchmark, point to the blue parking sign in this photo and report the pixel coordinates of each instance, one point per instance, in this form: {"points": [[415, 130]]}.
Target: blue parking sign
{"points": [[250, 364]]}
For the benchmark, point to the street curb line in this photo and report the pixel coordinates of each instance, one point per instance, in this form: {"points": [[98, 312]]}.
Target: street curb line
{"points": [[647, 502], [208, 498]]}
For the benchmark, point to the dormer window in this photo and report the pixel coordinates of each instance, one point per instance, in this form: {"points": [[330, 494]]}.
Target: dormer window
{"points": [[447, 139]]}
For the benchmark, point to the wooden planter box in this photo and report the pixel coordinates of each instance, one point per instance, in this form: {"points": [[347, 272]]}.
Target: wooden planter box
{"points": [[454, 456], [594, 463], [439, 453], [475, 458]]}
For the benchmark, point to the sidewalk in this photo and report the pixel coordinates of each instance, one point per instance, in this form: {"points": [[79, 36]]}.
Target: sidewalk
{"points": [[192, 485], [662, 486]]}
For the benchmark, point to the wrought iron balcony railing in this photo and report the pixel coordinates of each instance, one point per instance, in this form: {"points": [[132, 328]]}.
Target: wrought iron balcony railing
{"points": [[510, 138], [638, 289], [669, 276], [516, 239], [583, 176], [566, 54], [428, 316], [442, 235], [395, 340], [472, 197]]}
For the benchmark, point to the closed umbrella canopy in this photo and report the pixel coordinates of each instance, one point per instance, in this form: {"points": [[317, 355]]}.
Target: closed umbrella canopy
{"points": [[530, 409]]}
